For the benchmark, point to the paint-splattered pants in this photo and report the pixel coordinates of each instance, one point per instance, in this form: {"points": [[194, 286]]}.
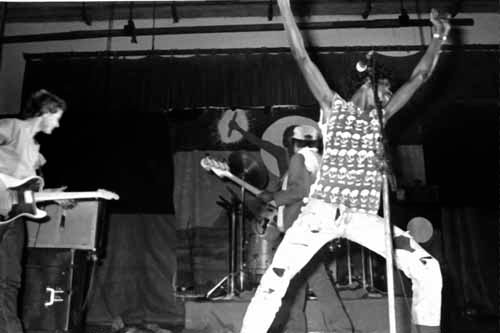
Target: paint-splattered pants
{"points": [[319, 223]]}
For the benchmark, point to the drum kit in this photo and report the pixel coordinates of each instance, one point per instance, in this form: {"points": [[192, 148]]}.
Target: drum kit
{"points": [[251, 244]]}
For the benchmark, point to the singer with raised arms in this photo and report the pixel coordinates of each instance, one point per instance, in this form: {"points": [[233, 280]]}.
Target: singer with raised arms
{"points": [[345, 199]]}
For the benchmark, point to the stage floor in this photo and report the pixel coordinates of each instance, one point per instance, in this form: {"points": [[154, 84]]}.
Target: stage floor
{"points": [[369, 315]]}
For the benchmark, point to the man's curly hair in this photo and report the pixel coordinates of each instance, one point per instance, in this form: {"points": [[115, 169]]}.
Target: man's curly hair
{"points": [[356, 79]]}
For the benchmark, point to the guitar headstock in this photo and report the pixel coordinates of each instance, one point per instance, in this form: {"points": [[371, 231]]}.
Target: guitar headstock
{"points": [[107, 195], [220, 168]]}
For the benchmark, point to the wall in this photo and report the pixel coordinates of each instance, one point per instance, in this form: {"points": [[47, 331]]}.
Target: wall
{"points": [[484, 31]]}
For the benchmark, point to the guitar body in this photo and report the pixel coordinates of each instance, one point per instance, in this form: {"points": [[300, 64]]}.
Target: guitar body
{"points": [[23, 198], [25, 193]]}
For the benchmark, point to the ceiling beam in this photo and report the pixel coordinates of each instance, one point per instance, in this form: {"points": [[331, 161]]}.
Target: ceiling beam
{"points": [[99, 11], [368, 24]]}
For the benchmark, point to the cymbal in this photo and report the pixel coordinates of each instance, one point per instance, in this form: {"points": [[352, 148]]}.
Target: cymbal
{"points": [[248, 168]]}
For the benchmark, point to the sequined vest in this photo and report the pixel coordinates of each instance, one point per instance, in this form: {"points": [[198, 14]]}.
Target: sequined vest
{"points": [[350, 171]]}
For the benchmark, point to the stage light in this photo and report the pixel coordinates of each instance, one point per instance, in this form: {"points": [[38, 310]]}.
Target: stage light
{"points": [[404, 19], [129, 28], [85, 15], [455, 8], [173, 9], [270, 13], [368, 9]]}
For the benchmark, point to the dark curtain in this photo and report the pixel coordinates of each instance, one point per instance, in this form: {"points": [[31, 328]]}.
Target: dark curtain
{"points": [[470, 266]]}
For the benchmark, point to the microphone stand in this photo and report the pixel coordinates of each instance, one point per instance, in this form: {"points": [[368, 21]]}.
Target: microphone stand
{"points": [[385, 201]]}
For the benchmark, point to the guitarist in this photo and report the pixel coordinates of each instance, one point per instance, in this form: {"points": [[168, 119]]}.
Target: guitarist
{"points": [[298, 171], [306, 144], [20, 158]]}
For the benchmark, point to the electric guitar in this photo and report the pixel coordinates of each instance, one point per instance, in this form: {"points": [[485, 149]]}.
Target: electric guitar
{"points": [[24, 195], [221, 169]]}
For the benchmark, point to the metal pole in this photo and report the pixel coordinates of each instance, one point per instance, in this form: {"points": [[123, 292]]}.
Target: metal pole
{"points": [[349, 271], [363, 266], [241, 242], [370, 268], [389, 257], [232, 254]]}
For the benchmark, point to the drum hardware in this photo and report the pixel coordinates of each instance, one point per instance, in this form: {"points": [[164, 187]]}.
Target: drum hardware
{"points": [[235, 278], [251, 175]]}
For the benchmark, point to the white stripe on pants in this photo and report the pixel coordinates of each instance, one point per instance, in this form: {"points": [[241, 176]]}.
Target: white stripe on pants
{"points": [[315, 226]]}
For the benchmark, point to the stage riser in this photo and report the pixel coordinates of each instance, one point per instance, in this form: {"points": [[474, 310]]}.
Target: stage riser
{"points": [[368, 315]]}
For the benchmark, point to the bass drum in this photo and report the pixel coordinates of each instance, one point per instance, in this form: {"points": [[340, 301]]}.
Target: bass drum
{"points": [[261, 246]]}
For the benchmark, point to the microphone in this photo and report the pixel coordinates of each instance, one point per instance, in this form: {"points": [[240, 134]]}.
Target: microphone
{"points": [[363, 65], [230, 130]]}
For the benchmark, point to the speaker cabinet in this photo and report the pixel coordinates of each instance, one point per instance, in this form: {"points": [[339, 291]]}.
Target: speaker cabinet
{"points": [[54, 289], [76, 228]]}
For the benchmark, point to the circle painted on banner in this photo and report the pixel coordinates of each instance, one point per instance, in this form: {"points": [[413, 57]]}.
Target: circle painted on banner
{"points": [[225, 134], [274, 133], [420, 228]]}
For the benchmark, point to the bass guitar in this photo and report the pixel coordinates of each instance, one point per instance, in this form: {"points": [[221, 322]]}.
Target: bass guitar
{"points": [[221, 169], [25, 194]]}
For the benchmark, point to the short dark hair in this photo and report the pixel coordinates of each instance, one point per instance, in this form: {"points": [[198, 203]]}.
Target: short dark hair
{"points": [[42, 102]]}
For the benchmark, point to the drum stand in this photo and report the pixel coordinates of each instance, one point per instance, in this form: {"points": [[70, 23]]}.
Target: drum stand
{"points": [[235, 278]]}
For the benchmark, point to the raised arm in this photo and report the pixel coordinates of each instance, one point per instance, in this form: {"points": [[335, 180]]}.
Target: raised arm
{"points": [[278, 152], [313, 76], [424, 68]]}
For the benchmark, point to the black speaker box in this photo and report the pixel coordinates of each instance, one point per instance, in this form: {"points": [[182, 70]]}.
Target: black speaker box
{"points": [[54, 289]]}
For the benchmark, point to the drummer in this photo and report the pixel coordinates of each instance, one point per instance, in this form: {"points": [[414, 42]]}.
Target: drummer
{"points": [[298, 163]]}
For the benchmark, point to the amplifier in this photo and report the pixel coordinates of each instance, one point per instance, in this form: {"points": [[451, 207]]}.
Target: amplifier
{"points": [[54, 289], [76, 228]]}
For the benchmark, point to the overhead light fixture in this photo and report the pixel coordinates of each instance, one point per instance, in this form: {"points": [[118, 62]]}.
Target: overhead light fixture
{"points": [[173, 9], [270, 12], [85, 15], [404, 19], [455, 8], [129, 28], [368, 9]]}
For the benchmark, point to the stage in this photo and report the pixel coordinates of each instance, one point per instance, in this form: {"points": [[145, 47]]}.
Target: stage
{"points": [[369, 315]]}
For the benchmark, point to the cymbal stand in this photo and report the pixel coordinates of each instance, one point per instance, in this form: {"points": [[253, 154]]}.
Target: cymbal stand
{"points": [[241, 242], [232, 257], [235, 278]]}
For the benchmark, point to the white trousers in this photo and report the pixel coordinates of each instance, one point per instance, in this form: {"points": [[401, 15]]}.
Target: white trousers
{"points": [[320, 222]]}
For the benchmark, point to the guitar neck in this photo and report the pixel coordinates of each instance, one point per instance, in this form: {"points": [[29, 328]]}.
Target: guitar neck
{"points": [[51, 196], [250, 188]]}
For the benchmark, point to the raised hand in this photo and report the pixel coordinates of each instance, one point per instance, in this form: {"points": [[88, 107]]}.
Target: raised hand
{"points": [[440, 24]]}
